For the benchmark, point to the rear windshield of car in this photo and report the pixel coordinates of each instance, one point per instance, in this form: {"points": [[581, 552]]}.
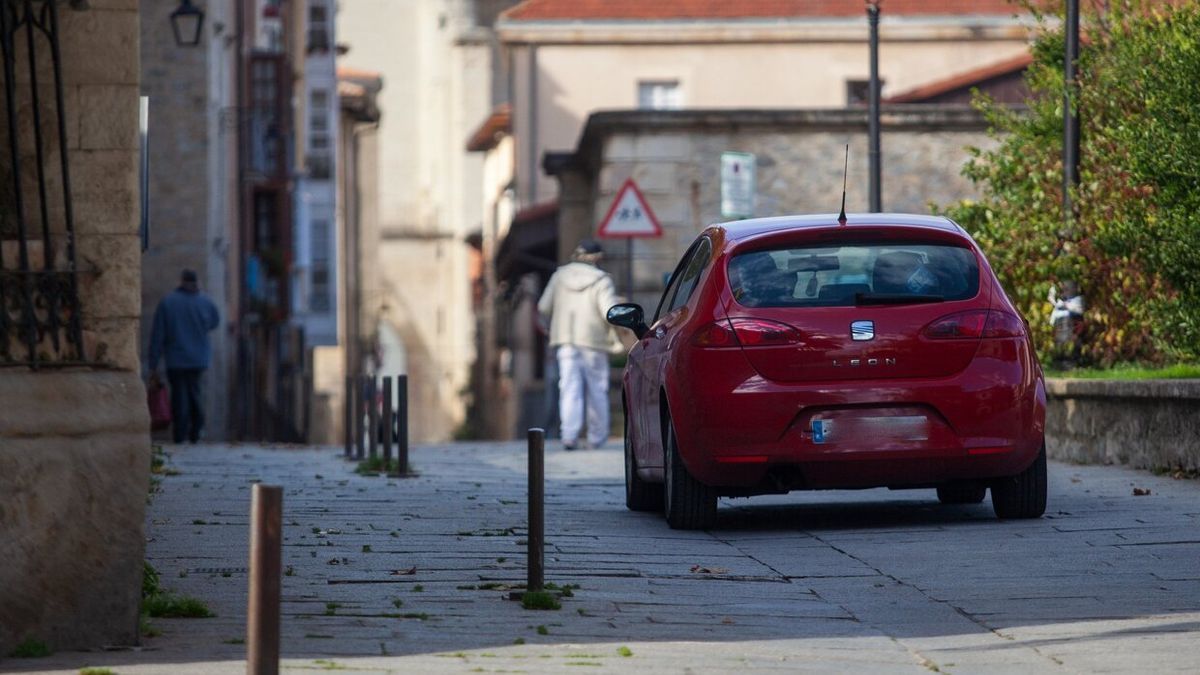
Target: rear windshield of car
{"points": [[834, 276]]}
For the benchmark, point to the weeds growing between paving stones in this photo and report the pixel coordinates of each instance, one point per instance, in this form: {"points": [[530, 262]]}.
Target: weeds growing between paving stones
{"points": [[234, 641], [519, 641], [147, 629], [167, 605], [331, 608], [160, 603], [375, 466], [624, 651], [542, 630], [96, 671], [30, 648]]}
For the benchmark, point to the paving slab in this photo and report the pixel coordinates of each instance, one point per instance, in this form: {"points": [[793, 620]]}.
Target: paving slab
{"points": [[412, 574]]}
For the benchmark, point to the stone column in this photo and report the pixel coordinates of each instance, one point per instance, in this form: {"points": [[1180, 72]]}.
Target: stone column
{"points": [[74, 443]]}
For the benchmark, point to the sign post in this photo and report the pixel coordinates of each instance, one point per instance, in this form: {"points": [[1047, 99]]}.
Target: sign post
{"points": [[629, 218], [738, 184]]}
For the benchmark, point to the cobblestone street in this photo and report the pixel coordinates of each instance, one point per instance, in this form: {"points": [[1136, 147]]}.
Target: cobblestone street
{"points": [[411, 575]]}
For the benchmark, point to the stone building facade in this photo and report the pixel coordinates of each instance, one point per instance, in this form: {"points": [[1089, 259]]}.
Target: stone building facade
{"points": [[193, 217], [74, 441], [674, 157]]}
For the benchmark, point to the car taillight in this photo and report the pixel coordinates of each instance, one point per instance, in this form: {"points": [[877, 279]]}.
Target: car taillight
{"points": [[1003, 325], [975, 324], [746, 333]]}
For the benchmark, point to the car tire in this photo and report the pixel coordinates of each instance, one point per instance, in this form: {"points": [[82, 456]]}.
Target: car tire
{"points": [[640, 495], [1023, 495], [961, 494], [688, 503]]}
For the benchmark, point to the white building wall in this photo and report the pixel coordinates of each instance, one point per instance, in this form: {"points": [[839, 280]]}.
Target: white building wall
{"points": [[436, 89]]}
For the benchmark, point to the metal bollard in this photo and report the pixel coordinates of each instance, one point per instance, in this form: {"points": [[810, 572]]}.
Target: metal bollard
{"points": [[358, 417], [348, 416], [266, 553], [387, 423], [372, 417], [537, 496], [402, 424]]}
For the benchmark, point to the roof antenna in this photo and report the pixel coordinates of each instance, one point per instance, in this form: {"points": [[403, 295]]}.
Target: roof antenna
{"points": [[845, 168]]}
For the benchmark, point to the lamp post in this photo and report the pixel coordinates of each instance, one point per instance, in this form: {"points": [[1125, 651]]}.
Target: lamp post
{"points": [[1070, 114], [875, 187], [187, 22]]}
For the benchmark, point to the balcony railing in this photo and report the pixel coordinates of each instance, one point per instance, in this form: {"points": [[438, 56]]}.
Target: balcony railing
{"points": [[39, 288]]}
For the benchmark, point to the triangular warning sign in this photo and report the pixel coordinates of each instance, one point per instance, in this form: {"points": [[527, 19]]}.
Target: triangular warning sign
{"points": [[629, 216]]}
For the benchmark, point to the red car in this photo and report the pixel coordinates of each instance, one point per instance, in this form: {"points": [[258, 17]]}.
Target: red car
{"points": [[798, 353]]}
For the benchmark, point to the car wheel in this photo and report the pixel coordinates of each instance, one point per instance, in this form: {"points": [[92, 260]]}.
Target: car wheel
{"points": [[1023, 495], [640, 495], [689, 504], [961, 494]]}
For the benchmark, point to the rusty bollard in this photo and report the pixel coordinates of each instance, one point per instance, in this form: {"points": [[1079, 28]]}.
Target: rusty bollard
{"points": [[266, 554]]}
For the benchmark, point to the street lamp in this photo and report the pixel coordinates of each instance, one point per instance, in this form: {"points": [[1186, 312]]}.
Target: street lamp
{"points": [[187, 21], [874, 170]]}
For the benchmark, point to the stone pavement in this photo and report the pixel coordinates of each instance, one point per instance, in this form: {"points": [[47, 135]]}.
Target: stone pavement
{"points": [[410, 575]]}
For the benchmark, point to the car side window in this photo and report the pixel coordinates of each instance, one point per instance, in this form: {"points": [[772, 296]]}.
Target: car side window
{"points": [[691, 275], [664, 303]]}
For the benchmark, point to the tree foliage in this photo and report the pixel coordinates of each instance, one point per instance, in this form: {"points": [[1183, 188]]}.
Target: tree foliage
{"points": [[1134, 244]]}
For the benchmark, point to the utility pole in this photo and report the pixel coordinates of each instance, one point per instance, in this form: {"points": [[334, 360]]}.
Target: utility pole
{"points": [[1070, 114], [873, 153]]}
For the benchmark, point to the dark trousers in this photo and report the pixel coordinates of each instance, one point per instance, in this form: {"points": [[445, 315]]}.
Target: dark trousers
{"points": [[187, 408]]}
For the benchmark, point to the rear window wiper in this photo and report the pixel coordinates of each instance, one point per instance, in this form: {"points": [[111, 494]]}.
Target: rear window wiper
{"points": [[894, 298]]}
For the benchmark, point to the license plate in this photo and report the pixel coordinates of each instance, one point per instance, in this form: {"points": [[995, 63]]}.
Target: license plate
{"points": [[821, 430]]}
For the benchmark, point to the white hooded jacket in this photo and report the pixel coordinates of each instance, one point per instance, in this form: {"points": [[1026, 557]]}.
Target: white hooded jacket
{"points": [[576, 302]]}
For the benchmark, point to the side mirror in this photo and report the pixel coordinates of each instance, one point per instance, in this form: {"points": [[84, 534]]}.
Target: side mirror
{"points": [[628, 315]]}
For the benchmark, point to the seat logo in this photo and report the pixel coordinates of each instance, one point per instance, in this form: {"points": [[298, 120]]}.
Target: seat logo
{"points": [[862, 330]]}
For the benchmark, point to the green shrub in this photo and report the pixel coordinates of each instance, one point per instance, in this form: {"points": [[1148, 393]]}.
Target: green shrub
{"points": [[1135, 240]]}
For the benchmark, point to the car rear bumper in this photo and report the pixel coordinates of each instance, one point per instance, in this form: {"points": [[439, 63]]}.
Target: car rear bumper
{"points": [[756, 434]]}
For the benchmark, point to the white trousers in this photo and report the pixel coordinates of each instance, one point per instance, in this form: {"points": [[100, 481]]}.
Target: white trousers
{"points": [[583, 374]]}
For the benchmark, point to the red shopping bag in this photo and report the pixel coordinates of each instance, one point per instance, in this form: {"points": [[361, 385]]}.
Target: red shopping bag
{"points": [[159, 401]]}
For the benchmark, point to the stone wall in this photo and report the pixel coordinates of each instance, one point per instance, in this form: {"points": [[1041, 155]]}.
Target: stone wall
{"points": [[193, 198], [1149, 424], [74, 444], [674, 157]]}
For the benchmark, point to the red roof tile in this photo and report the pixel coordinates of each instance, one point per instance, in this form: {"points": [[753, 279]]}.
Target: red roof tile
{"points": [[499, 122], [542, 10], [963, 80]]}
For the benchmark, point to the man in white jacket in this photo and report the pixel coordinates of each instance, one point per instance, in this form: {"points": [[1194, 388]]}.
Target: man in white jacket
{"points": [[575, 303]]}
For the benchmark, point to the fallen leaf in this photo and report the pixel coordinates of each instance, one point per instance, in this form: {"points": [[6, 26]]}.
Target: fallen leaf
{"points": [[403, 573], [727, 621], [1140, 492]]}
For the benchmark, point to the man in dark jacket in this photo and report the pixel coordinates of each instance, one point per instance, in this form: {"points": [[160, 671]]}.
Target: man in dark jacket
{"points": [[182, 322]]}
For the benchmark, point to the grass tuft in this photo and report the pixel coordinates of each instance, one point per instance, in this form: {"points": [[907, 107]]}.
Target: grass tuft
{"points": [[624, 651], [540, 600], [171, 606], [31, 649], [97, 671], [1129, 372]]}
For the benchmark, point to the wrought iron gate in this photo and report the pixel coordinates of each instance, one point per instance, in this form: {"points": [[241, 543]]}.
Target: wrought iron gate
{"points": [[39, 286]]}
